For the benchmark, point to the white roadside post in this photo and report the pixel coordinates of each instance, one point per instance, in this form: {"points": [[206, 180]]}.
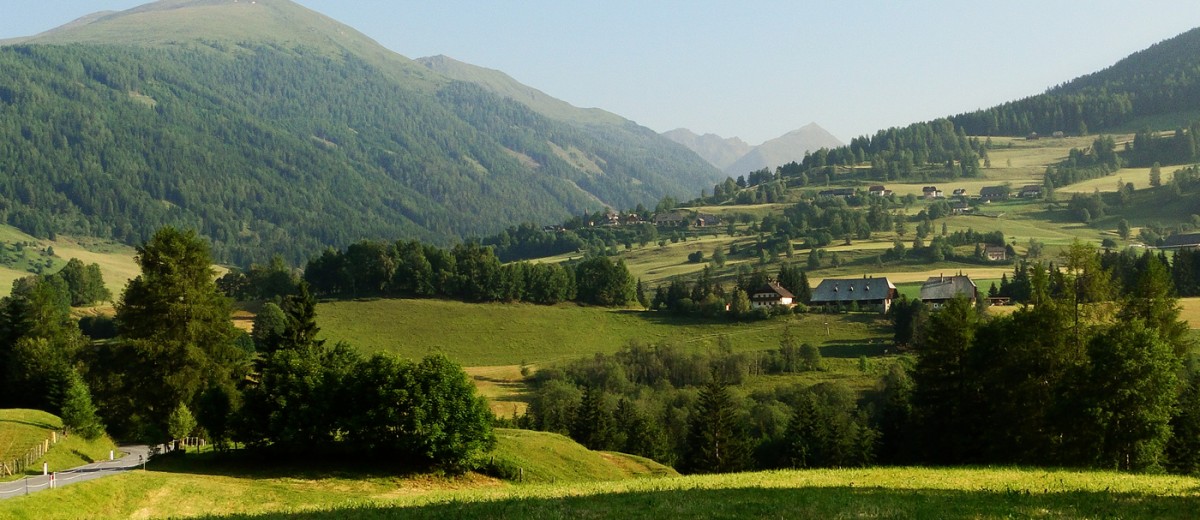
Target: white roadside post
{"points": [[111, 455], [45, 468]]}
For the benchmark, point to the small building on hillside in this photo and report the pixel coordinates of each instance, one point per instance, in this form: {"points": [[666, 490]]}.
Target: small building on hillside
{"points": [[770, 295], [867, 293], [995, 253], [706, 220], [672, 218], [932, 192], [836, 192], [960, 192], [1182, 241], [960, 208], [993, 193], [879, 190], [937, 290], [1030, 191]]}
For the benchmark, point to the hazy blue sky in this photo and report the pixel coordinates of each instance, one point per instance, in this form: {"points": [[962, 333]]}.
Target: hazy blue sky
{"points": [[752, 69]]}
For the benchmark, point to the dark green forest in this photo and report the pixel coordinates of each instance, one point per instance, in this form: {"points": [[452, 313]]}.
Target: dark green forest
{"points": [[1162, 79], [274, 150]]}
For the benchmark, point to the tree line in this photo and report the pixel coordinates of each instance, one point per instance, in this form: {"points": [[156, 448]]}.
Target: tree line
{"points": [[468, 272], [177, 367]]}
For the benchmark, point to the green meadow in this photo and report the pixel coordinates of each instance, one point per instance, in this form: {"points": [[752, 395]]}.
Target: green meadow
{"points": [[513, 334]]}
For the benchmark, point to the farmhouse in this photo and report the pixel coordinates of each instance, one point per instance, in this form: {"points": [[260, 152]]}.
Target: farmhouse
{"points": [[991, 193], [931, 192], [770, 295], [937, 290], [868, 293], [960, 208], [995, 253], [1031, 191], [960, 192], [673, 218], [837, 192], [1182, 241], [706, 220], [879, 190]]}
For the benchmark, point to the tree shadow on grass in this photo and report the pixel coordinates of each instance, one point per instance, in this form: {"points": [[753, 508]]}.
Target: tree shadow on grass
{"points": [[35, 424], [256, 464], [812, 502]]}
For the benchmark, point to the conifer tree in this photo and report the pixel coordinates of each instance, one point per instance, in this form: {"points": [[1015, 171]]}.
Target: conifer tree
{"points": [[592, 426], [78, 412], [716, 440]]}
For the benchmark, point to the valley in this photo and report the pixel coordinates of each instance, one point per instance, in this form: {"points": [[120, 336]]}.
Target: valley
{"points": [[351, 284]]}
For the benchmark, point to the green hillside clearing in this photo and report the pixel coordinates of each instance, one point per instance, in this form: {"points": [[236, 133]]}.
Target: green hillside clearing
{"points": [[512, 334], [21, 430]]}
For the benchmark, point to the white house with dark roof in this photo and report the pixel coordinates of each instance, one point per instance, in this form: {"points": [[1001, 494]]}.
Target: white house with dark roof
{"points": [[771, 295], [867, 292]]}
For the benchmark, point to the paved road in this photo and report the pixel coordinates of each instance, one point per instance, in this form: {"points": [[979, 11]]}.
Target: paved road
{"points": [[134, 455]]}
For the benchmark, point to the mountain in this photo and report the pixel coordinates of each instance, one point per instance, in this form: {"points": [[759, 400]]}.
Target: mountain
{"points": [[717, 150], [1156, 87], [271, 128], [789, 147]]}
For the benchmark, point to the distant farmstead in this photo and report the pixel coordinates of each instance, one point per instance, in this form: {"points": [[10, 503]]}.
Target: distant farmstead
{"points": [[770, 295], [837, 192], [996, 253], [991, 193], [1031, 191], [938, 290], [868, 293], [931, 192]]}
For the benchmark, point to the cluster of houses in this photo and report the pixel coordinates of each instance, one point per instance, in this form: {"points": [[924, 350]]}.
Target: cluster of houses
{"points": [[667, 218], [867, 293], [987, 194]]}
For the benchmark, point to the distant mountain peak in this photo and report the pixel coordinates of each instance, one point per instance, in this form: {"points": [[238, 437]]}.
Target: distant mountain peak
{"points": [[717, 150], [784, 149]]}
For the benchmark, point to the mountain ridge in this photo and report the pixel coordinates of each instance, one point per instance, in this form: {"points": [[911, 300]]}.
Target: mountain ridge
{"points": [[274, 129]]}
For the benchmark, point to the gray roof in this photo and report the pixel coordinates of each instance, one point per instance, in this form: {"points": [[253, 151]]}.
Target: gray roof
{"points": [[991, 190], [834, 290], [1182, 240], [947, 287]]}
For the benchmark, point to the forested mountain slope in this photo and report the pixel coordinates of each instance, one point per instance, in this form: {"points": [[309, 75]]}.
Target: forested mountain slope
{"points": [[1162, 79], [273, 129]]}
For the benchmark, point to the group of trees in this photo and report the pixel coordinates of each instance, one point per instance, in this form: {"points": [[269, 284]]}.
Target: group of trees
{"points": [[469, 272], [178, 367], [687, 409], [1088, 377], [708, 297]]}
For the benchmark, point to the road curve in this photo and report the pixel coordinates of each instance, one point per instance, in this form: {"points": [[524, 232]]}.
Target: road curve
{"points": [[134, 457]]}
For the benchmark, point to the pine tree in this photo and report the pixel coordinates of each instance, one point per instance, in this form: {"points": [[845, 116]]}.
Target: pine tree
{"points": [[593, 426], [78, 412], [716, 440]]}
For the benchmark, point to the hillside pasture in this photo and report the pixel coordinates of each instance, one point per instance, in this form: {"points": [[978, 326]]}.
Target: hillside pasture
{"points": [[515, 334]]}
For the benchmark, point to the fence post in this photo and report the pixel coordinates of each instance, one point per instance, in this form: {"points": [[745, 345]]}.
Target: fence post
{"points": [[45, 468], [110, 455]]}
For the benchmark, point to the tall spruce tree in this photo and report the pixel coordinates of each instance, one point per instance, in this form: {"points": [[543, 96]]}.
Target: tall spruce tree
{"points": [[176, 325], [716, 439]]}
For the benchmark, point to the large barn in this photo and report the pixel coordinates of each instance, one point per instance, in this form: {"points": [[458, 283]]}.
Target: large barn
{"points": [[867, 293]]}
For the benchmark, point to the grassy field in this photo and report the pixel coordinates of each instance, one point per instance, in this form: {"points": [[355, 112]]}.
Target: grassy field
{"points": [[115, 260], [512, 334], [978, 493], [21, 430]]}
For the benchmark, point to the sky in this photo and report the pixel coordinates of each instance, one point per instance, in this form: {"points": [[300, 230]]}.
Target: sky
{"points": [[751, 69]]}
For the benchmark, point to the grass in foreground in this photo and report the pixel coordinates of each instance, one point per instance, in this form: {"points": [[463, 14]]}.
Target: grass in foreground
{"points": [[873, 493]]}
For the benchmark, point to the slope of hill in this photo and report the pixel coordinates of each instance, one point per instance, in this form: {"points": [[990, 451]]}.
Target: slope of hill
{"points": [[789, 147], [1163, 79], [273, 129], [718, 151], [21, 430]]}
